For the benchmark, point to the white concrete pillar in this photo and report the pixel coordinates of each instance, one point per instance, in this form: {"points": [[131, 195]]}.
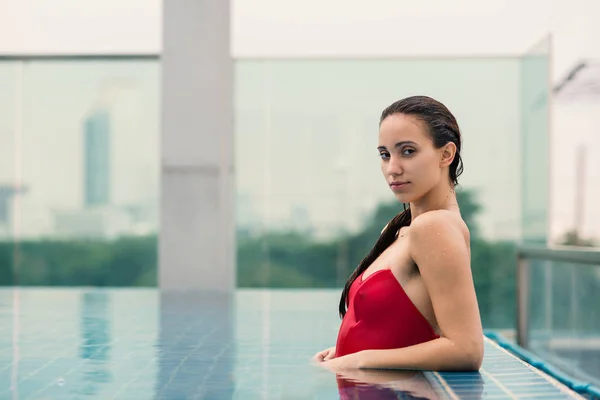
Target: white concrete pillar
{"points": [[197, 239]]}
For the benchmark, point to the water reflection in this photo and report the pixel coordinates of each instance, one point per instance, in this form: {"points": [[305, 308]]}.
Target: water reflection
{"points": [[379, 384], [95, 341], [195, 346], [387, 384]]}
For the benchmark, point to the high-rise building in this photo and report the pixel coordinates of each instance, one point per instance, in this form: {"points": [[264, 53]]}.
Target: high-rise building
{"points": [[7, 194], [97, 169]]}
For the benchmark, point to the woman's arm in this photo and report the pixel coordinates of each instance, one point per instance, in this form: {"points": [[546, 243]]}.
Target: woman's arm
{"points": [[439, 249], [437, 355]]}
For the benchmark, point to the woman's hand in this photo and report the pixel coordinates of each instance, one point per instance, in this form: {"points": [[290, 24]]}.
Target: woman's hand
{"points": [[339, 364], [325, 355]]}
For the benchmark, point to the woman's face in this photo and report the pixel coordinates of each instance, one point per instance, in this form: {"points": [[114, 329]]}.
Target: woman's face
{"points": [[410, 163]]}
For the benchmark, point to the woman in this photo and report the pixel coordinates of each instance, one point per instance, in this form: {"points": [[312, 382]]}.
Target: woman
{"points": [[410, 303]]}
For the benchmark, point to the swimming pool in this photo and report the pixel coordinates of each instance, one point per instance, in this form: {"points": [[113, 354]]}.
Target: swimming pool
{"points": [[254, 344]]}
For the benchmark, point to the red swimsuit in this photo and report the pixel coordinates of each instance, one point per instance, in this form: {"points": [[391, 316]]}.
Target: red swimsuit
{"points": [[381, 316]]}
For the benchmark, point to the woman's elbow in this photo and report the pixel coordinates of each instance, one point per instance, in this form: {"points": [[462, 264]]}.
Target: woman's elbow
{"points": [[469, 357], [474, 357], [474, 363]]}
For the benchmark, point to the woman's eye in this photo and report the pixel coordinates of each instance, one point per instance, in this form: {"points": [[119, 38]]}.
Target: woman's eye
{"points": [[408, 152], [384, 156]]}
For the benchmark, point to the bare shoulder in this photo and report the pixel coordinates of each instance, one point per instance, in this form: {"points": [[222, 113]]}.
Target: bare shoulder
{"points": [[438, 222], [438, 231]]}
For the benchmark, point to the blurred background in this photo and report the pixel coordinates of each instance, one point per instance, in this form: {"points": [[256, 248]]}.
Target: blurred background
{"points": [[80, 128]]}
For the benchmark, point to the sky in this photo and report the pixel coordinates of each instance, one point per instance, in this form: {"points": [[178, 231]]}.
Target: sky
{"points": [[305, 27]]}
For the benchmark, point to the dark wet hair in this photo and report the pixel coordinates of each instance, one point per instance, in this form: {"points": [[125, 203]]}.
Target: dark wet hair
{"points": [[443, 128]]}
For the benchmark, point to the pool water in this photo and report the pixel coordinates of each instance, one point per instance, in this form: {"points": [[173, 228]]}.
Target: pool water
{"points": [[252, 344]]}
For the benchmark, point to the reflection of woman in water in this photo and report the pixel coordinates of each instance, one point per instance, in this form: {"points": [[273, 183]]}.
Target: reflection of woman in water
{"points": [[367, 384], [381, 384], [410, 303]]}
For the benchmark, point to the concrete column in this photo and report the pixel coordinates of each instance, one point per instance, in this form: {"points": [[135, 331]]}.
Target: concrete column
{"points": [[197, 240]]}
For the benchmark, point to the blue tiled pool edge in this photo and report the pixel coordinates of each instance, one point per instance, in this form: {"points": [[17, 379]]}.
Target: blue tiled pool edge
{"points": [[581, 387]]}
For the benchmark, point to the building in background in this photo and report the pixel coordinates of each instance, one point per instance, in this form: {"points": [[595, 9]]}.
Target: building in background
{"points": [[576, 171], [97, 159], [99, 216], [7, 194]]}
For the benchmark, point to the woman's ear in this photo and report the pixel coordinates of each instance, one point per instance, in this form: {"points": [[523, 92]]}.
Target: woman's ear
{"points": [[447, 154]]}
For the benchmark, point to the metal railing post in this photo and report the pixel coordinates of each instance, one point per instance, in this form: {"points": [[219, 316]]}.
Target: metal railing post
{"points": [[522, 302]]}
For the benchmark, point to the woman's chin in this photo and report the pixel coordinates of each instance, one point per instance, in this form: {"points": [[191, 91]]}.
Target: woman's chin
{"points": [[403, 198]]}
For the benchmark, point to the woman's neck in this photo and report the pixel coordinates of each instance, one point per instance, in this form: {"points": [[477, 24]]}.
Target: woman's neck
{"points": [[441, 197]]}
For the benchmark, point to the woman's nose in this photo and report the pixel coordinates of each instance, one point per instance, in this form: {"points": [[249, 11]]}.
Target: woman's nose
{"points": [[394, 168]]}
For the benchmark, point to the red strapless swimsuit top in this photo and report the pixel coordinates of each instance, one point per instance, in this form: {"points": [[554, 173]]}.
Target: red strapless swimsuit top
{"points": [[381, 316]]}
